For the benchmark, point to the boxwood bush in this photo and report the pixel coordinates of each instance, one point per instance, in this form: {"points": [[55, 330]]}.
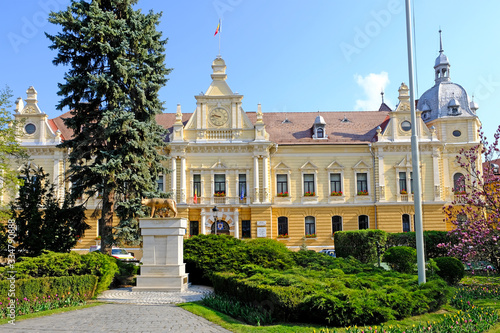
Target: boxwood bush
{"points": [[431, 239], [450, 269], [401, 258]]}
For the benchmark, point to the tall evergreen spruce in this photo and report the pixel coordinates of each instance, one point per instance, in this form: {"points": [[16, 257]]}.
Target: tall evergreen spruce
{"points": [[117, 58], [42, 223]]}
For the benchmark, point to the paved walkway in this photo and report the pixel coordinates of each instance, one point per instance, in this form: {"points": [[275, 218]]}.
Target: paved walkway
{"points": [[130, 312]]}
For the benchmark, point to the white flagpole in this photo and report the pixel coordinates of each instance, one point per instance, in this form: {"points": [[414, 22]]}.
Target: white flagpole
{"points": [[220, 25], [415, 157]]}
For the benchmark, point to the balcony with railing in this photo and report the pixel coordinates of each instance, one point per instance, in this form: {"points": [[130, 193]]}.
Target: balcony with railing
{"points": [[218, 200]]}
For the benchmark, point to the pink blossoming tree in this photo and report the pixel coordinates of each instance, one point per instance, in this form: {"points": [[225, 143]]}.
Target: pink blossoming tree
{"points": [[475, 212]]}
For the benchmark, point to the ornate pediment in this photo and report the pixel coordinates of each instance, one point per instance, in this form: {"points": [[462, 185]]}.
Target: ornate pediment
{"points": [[281, 166], [308, 166], [219, 165], [335, 166], [361, 165]]}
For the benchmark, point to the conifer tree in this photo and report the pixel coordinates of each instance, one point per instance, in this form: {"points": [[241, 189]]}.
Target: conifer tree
{"points": [[42, 224], [116, 59]]}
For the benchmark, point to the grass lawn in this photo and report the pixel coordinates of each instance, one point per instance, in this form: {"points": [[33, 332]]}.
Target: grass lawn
{"points": [[51, 312]]}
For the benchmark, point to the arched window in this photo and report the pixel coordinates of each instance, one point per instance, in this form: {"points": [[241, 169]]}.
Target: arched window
{"points": [[320, 133], [336, 223], [310, 225], [363, 222], [459, 183], [406, 223], [282, 225]]}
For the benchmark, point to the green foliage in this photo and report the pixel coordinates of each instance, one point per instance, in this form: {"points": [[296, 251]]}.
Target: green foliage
{"points": [[51, 264], [401, 258], [11, 152], [361, 244], [249, 313], [45, 290], [126, 273], [450, 269], [41, 223], [101, 265], [206, 254], [431, 239], [330, 297], [268, 253], [318, 261], [116, 58]]}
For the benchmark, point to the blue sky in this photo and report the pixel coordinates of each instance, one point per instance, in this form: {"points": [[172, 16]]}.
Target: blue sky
{"points": [[289, 56]]}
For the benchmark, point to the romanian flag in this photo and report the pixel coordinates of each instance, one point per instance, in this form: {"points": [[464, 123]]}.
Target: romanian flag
{"points": [[195, 199], [217, 31]]}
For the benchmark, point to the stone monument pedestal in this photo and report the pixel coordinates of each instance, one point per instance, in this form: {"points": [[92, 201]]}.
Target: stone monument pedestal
{"points": [[163, 268]]}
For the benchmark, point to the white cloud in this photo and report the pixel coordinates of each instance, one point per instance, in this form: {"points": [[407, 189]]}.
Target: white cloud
{"points": [[372, 84]]}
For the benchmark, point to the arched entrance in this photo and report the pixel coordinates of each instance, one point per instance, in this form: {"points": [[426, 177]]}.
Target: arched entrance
{"points": [[222, 228]]}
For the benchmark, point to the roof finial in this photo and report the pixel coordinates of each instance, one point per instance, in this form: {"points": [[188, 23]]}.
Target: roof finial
{"points": [[382, 94], [440, 42]]}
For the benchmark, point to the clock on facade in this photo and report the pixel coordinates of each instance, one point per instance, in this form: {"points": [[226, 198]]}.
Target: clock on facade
{"points": [[218, 116]]}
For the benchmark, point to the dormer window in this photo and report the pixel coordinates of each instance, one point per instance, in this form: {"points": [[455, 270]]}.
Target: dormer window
{"points": [[319, 128]]}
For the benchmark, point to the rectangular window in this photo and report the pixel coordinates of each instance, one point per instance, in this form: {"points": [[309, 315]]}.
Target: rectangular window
{"points": [[193, 228], [402, 183], [197, 185], [220, 184], [362, 182], [282, 184], [406, 223], [246, 229], [336, 223], [282, 225], [309, 183], [335, 184], [363, 222], [242, 186], [159, 182], [310, 225]]}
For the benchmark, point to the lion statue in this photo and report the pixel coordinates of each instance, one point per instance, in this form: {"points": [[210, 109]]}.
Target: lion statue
{"points": [[158, 203]]}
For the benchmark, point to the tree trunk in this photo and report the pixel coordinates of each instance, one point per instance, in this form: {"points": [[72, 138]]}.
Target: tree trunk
{"points": [[106, 227]]}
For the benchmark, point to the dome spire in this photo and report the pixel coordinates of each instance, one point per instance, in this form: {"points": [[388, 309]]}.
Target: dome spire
{"points": [[440, 42], [442, 65]]}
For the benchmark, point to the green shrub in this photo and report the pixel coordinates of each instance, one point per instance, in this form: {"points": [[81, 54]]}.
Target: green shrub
{"points": [[431, 239], [361, 244], [450, 269], [102, 266], [330, 297], [401, 258], [126, 273], [206, 254], [269, 253]]}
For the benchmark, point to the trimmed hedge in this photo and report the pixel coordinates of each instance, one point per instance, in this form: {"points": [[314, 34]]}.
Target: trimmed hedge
{"points": [[401, 258], [52, 264], [82, 287], [450, 269], [431, 239], [361, 244]]}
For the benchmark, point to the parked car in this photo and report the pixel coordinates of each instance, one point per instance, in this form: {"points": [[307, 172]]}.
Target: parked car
{"points": [[118, 253], [329, 252]]}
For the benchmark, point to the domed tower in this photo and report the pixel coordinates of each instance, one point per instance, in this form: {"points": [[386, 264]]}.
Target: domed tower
{"points": [[445, 98]]}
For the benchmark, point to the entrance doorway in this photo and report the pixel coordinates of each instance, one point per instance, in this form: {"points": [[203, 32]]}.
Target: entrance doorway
{"points": [[222, 228]]}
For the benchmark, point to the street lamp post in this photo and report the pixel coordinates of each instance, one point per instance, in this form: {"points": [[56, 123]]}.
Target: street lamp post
{"points": [[215, 211]]}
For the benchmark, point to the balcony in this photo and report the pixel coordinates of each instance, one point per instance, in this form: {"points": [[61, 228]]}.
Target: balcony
{"points": [[406, 197], [222, 135], [218, 201]]}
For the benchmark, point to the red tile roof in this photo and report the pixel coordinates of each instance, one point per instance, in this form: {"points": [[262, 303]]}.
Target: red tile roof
{"points": [[349, 127]]}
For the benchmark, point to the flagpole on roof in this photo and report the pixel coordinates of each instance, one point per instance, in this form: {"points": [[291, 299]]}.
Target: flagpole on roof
{"points": [[415, 158]]}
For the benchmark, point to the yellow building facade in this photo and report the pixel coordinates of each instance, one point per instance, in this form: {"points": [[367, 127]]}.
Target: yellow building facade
{"points": [[296, 177]]}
